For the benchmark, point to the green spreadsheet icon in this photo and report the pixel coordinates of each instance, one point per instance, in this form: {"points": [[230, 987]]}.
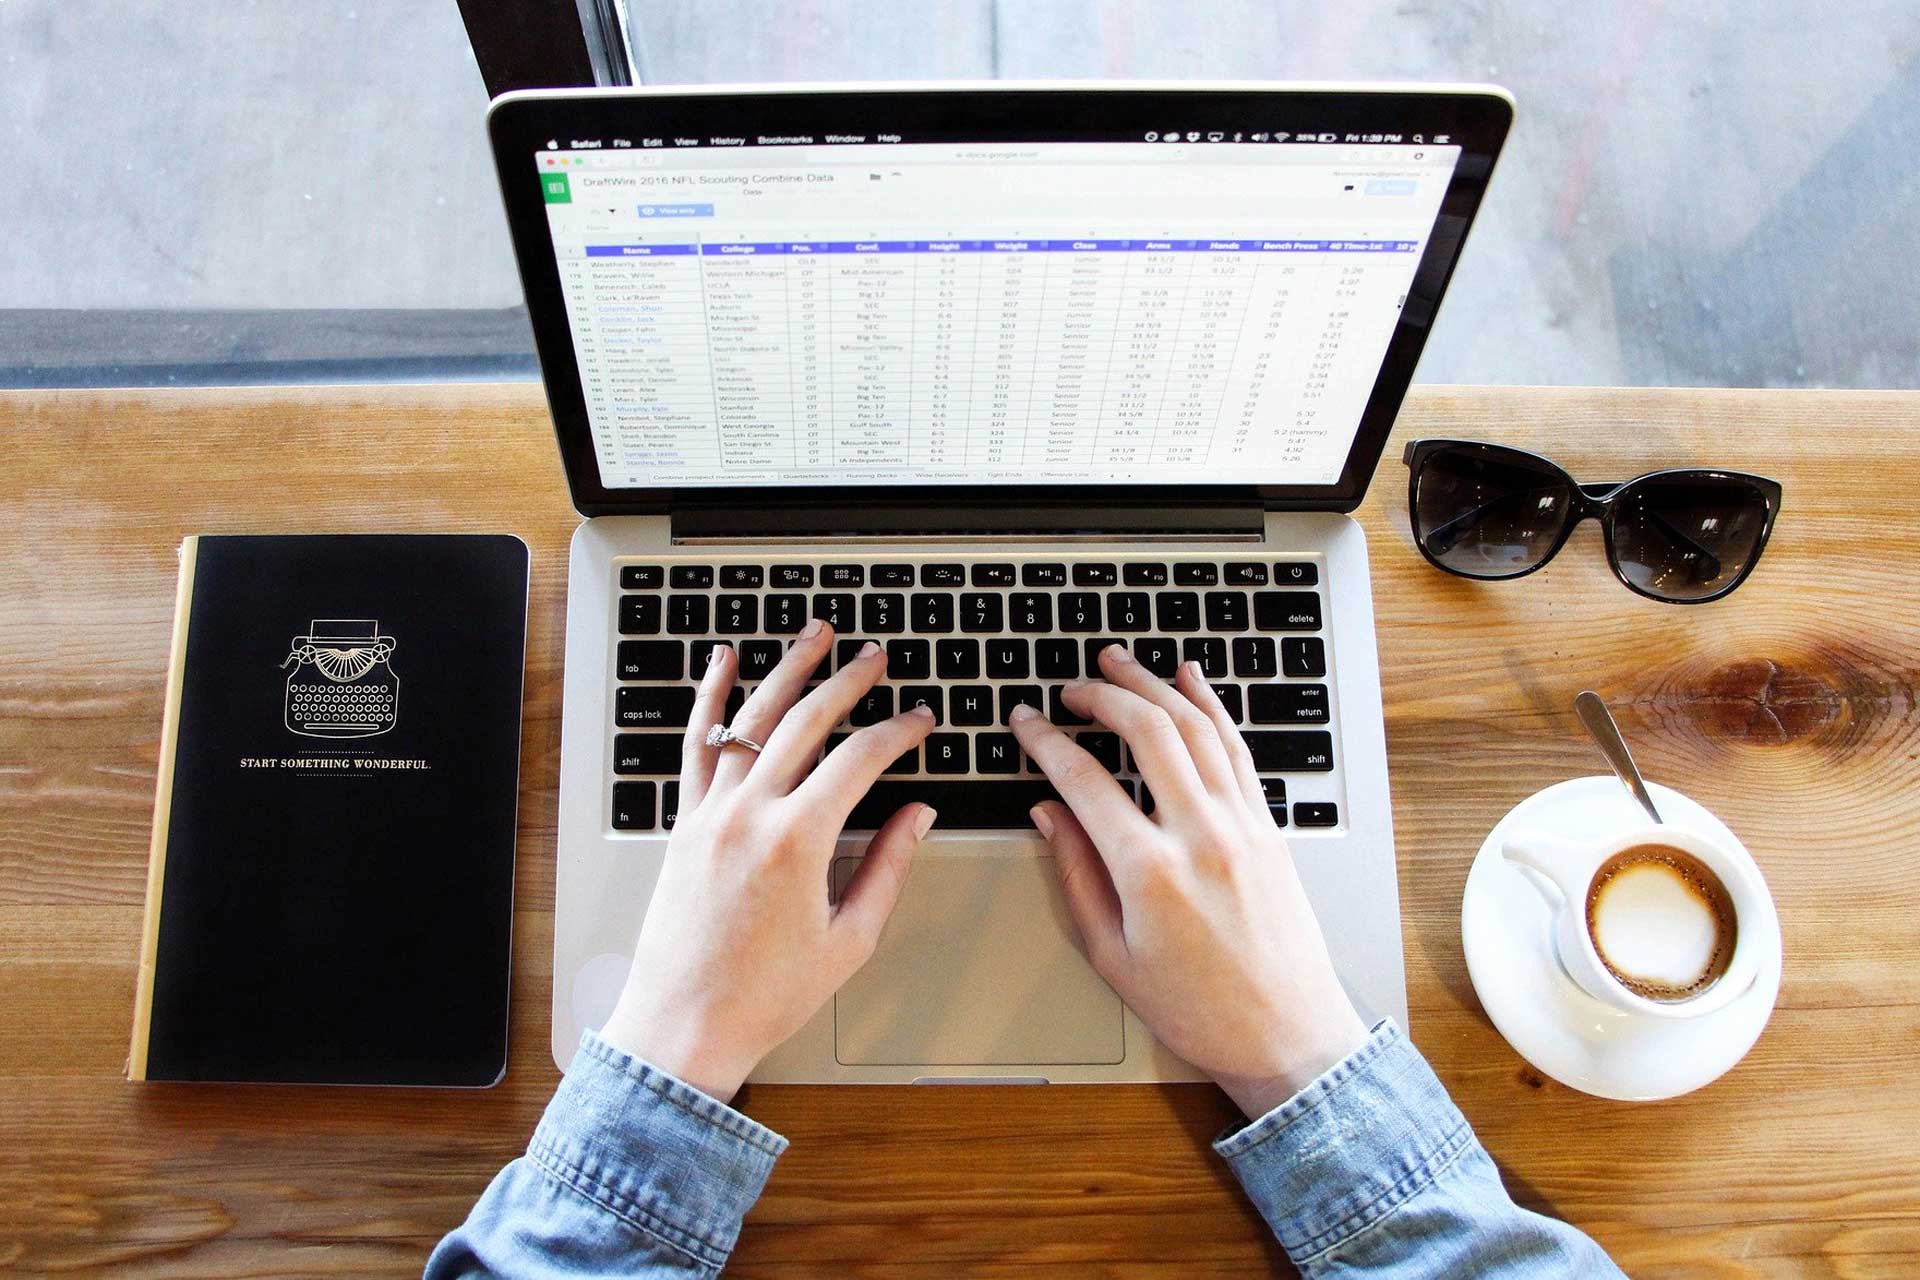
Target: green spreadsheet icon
{"points": [[555, 186]]}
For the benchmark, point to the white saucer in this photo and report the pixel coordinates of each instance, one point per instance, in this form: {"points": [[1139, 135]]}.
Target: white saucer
{"points": [[1506, 926]]}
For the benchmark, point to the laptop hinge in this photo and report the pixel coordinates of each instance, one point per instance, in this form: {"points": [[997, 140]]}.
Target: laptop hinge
{"points": [[720, 525]]}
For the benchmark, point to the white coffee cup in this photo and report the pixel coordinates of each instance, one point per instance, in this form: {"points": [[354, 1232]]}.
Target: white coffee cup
{"points": [[1566, 871]]}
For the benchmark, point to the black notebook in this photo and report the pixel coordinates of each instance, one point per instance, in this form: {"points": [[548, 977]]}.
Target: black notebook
{"points": [[330, 894]]}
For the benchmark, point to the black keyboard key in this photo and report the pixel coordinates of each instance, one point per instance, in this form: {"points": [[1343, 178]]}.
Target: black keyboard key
{"points": [[1275, 789], [964, 805], [736, 698], [835, 609], [1104, 747], [1303, 656], [1094, 649], [639, 615], [893, 575], [847, 575], [1007, 660], [1195, 575], [699, 654], [981, 612], [1043, 575], [1056, 659], [907, 761], [957, 659], [1209, 651], [1229, 695], [909, 660], [736, 615], [972, 704], [1246, 575], [1226, 611], [943, 575], [845, 651], [633, 806], [687, 615], [642, 577], [1158, 655], [1288, 703], [1253, 658], [1177, 610], [947, 753], [1146, 799], [993, 575], [1129, 611], [652, 706], [1295, 574], [1290, 750], [1286, 610], [1144, 575], [742, 576], [1079, 611], [651, 660], [996, 753], [786, 614], [1013, 695], [794, 577], [883, 612], [1059, 712], [758, 658], [1030, 611], [874, 706], [932, 613], [1316, 814], [691, 577], [669, 805], [656, 753], [1095, 575], [927, 695]]}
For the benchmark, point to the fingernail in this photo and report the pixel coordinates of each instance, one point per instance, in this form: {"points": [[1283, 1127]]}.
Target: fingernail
{"points": [[1118, 652], [1042, 820], [813, 628], [713, 655], [868, 649], [921, 709], [1022, 712], [923, 823], [1192, 669]]}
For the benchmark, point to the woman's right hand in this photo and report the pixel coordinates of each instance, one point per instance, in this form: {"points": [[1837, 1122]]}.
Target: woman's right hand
{"points": [[1195, 915]]}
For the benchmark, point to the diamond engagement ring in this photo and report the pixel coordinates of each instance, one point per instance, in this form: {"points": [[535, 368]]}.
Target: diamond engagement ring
{"points": [[720, 735]]}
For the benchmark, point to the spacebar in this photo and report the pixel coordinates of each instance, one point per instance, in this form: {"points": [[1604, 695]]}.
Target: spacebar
{"points": [[963, 806]]}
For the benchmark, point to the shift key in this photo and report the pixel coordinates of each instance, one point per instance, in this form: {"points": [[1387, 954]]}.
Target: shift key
{"points": [[1290, 750]]}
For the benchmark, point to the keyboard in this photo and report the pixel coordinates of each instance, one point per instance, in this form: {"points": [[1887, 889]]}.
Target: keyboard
{"points": [[973, 640]]}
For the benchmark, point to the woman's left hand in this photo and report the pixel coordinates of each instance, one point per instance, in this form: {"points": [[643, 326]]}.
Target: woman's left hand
{"points": [[741, 945]]}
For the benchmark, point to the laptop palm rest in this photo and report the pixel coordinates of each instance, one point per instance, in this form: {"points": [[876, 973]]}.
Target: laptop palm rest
{"points": [[977, 969]]}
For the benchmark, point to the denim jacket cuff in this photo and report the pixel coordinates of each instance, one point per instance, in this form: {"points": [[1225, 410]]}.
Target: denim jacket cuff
{"points": [[1343, 1153], [659, 1154]]}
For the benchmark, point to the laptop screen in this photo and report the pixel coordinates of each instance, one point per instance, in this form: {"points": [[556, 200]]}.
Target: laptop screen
{"points": [[868, 309]]}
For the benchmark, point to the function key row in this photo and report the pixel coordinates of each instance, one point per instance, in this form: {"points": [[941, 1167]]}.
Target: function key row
{"points": [[747, 577]]}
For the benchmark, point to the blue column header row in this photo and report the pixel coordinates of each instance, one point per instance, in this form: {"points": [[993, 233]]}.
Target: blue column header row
{"points": [[760, 248]]}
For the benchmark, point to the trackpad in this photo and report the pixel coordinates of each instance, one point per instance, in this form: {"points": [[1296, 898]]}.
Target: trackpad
{"points": [[977, 967]]}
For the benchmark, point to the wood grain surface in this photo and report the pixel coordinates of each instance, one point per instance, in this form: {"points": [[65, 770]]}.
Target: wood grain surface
{"points": [[1789, 709]]}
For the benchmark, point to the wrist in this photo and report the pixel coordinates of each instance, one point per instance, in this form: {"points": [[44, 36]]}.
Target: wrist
{"points": [[1307, 1056], [678, 1047]]}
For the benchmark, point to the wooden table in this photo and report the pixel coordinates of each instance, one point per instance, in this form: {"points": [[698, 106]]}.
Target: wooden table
{"points": [[1789, 709]]}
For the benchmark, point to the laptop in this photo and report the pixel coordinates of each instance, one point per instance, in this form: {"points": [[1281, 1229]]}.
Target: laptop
{"points": [[995, 375]]}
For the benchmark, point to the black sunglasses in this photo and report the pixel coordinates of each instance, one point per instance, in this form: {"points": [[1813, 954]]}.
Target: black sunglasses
{"points": [[1683, 536]]}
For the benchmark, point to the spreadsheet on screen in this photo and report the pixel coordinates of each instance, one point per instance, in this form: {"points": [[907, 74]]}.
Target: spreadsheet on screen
{"points": [[1046, 313]]}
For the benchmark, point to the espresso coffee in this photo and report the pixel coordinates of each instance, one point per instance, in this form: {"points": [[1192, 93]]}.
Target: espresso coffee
{"points": [[1662, 922]]}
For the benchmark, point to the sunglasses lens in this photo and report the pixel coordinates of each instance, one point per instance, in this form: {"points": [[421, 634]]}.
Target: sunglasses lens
{"points": [[1489, 513], [1688, 537]]}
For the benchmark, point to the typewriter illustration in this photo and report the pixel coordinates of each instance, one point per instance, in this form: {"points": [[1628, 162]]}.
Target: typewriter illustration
{"points": [[341, 685]]}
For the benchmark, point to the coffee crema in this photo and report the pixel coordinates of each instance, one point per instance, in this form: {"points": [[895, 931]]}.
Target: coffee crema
{"points": [[1661, 921]]}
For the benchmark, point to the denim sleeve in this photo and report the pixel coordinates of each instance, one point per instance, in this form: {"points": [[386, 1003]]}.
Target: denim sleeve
{"points": [[631, 1173], [1371, 1170]]}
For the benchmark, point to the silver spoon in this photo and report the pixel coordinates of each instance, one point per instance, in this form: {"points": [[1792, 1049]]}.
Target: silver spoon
{"points": [[1594, 715]]}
